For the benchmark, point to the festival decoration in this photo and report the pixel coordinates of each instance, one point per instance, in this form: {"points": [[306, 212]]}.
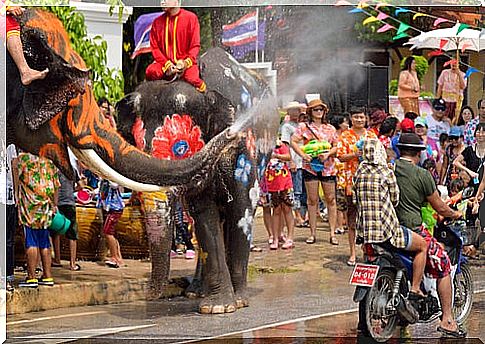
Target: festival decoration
{"points": [[369, 20], [447, 63], [342, 3], [402, 28], [399, 36], [401, 10], [438, 21], [381, 4], [243, 169], [385, 28], [178, 138], [419, 15], [470, 71], [356, 10], [461, 28], [381, 16]]}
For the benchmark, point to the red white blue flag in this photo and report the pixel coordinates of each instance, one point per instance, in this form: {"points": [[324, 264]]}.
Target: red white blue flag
{"points": [[143, 26], [243, 34]]}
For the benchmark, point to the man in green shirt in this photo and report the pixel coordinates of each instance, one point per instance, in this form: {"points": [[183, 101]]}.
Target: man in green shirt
{"points": [[417, 187]]}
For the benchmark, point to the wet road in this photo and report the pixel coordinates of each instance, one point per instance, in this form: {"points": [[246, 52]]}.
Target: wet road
{"points": [[312, 304]]}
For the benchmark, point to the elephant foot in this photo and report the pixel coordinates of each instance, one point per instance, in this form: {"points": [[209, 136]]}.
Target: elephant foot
{"points": [[194, 290], [242, 302], [213, 305]]}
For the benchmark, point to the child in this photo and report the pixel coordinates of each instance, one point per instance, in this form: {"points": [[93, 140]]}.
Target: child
{"points": [[280, 187]]}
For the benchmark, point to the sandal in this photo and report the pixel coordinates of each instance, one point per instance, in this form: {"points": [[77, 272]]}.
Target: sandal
{"points": [[111, 264], [288, 244], [270, 240], [339, 231], [310, 240], [273, 246], [351, 262], [458, 333], [256, 249], [333, 240], [76, 267]]}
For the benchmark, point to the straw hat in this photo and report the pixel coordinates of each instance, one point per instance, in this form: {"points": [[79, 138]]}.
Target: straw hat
{"points": [[316, 102], [292, 105]]}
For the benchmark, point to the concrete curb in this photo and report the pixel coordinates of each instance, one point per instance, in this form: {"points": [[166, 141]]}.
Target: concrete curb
{"points": [[24, 300]]}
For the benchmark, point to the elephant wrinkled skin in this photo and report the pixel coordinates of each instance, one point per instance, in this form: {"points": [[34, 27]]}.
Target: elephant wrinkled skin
{"points": [[173, 121], [60, 111]]}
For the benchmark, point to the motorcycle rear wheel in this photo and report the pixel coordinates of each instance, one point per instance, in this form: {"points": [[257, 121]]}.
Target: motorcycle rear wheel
{"points": [[381, 322], [463, 294]]}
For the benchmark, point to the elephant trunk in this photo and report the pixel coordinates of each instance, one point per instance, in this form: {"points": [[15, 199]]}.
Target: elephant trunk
{"points": [[139, 171]]}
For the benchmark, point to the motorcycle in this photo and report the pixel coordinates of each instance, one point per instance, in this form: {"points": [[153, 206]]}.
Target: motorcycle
{"points": [[384, 281]]}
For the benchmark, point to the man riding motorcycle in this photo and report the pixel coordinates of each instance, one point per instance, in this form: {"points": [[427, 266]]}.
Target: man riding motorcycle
{"points": [[417, 187]]}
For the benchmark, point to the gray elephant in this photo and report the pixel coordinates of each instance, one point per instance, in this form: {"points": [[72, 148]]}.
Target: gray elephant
{"points": [[60, 111], [173, 121]]}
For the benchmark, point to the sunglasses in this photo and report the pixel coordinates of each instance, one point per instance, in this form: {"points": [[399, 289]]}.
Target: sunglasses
{"points": [[318, 109], [453, 138], [440, 109]]}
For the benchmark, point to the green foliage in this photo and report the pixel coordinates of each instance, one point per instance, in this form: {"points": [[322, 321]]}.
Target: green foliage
{"points": [[393, 87], [107, 82], [422, 65]]}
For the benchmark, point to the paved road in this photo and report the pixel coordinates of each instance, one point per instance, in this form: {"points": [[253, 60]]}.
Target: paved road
{"points": [[311, 302]]}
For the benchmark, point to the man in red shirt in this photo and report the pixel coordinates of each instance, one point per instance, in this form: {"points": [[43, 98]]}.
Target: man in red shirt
{"points": [[175, 43]]}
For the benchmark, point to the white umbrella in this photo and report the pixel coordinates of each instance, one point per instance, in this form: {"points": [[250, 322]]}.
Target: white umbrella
{"points": [[469, 39]]}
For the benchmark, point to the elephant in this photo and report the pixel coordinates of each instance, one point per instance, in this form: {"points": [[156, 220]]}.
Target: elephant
{"points": [[172, 120], [60, 111]]}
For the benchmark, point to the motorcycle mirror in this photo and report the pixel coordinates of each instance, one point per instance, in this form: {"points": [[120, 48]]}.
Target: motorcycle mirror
{"points": [[468, 192]]}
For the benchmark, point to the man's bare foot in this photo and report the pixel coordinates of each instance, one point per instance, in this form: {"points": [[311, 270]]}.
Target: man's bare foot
{"points": [[31, 74]]}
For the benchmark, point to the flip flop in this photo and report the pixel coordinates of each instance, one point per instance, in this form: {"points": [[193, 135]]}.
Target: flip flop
{"points": [[112, 264], [333, 240], [310, 240], [351, 262], [458, 333], [76, 267]]}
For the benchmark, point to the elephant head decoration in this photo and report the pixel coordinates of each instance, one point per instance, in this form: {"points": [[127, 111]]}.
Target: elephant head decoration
{"points": [[60, 111], [171, 120]]}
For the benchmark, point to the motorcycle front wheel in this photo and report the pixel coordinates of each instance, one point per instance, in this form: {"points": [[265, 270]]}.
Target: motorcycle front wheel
{"points": [[463, 294], [381, 321]]}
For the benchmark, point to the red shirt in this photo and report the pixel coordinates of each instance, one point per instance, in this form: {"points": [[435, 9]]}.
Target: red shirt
{"points": [[174, 38], [277, 174]]}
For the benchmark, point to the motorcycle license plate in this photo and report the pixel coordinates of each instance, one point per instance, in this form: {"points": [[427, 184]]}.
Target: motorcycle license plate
{"points": [[364, 275]]}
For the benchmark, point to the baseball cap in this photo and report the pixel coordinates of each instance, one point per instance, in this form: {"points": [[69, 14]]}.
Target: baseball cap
{"points": [[439, 104], [455, 132], [407, 125], [420, 121]]}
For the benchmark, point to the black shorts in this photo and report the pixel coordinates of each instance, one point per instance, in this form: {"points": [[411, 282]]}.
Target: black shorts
{"points": [[307, 176]]}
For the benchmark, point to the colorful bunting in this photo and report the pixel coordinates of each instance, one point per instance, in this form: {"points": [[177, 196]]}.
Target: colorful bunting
{"points": [[452, 61], [381, 4], [356, 10], [401, 10], [461, 28], [402, 28], [370, 19], [435, 53], [439, 21], [362, 4], [385, 28], [399, 36], [382, 16], [470, 71], [342, 3], [419, 15]]}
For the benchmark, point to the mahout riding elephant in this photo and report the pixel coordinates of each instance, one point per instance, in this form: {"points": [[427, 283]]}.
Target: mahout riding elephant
{"points": [[49, 115], [171, 120]]}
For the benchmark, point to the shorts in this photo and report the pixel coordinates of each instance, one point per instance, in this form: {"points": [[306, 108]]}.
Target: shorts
{"points": [[307, 176], [38, 238], [341, 200], [69, 211], [12, 26], [438, 263], [265, 200], [282, 197], [110, 221], [297, 178]]}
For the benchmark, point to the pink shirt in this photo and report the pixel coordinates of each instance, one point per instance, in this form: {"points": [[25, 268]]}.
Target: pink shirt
{"points": [[325, 132], [450, 82], [408, 79]]}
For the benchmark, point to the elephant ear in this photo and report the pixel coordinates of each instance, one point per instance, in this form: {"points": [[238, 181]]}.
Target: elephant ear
{"points": [[46, 45], [224, 74]]}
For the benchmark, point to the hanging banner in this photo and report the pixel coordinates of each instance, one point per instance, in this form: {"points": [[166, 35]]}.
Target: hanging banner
{"points": [[470, 71], [461, 28], [382, 16], [401, 35], [369, 20], [401, 10], [385, 28], [438, 21], [402, 28]]}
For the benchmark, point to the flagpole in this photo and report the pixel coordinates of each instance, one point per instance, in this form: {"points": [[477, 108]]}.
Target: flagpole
{"points": [[256, 53]]}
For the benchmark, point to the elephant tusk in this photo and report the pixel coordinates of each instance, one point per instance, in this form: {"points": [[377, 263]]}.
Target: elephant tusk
{"points": [[94, 162]]}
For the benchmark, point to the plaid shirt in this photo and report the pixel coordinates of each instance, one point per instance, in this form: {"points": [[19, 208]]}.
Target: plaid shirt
{"points": [[376, 193]]}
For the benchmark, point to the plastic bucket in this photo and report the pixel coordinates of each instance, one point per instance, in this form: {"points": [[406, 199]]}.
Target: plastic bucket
{"points": [[60, 224]]}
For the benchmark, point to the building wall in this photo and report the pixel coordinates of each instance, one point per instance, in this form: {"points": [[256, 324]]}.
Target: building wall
{"points": [[110, 27]]}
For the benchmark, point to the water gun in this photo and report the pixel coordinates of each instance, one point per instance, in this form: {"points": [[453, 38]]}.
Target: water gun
{"points": [[314, 148]]}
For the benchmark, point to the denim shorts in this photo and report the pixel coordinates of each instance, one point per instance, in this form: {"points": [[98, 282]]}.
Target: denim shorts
{"points": [[297, 178], [36, 238], [408, 238]]}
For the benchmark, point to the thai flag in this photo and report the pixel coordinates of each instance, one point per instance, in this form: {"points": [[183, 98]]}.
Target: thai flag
{"points": [[143, 26], [243, 34]]}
